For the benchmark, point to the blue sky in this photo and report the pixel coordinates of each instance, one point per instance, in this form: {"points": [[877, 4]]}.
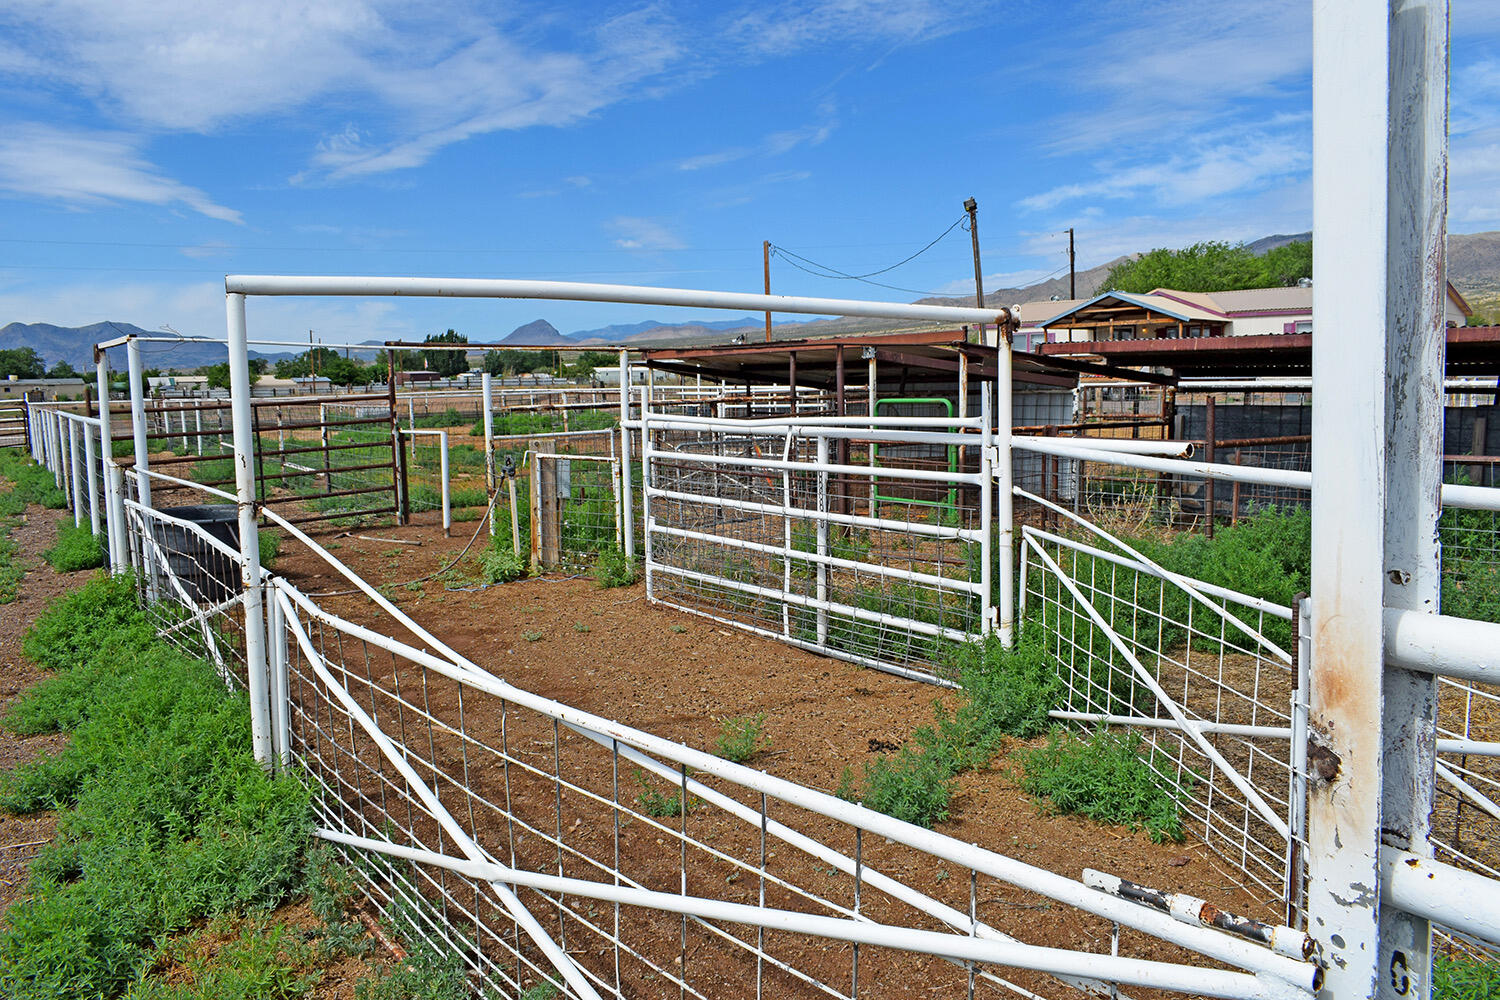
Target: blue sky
{"points": [[146, 149]]}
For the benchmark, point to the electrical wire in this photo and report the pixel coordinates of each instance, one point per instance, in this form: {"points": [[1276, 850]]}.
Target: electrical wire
{"points": [[827, 271]]}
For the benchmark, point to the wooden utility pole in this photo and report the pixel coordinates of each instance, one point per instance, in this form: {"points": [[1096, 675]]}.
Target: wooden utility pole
{"points": [[1072, 276], [972, 207], [765, 254]]}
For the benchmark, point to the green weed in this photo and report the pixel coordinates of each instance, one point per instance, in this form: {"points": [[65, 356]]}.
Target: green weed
{"points": [[1460, 978], [742, 738], [165, 816], [262, 962], [1103, 777], [76, 548], [655, 803], [612, 569]]}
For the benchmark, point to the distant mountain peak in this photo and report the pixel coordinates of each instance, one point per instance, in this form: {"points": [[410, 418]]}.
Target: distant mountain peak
{"points": [[537, 332]]}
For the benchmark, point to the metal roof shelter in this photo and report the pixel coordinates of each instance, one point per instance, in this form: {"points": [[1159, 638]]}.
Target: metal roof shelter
{"points": [[1473, 351], [905, 362]]}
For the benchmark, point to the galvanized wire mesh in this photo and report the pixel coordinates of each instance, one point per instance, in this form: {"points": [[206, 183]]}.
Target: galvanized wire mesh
{"points": [[1217, 674]]}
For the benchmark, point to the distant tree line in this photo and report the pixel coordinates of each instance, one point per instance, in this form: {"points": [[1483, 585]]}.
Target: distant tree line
{"points": [[1212, 267], [25, 362]]}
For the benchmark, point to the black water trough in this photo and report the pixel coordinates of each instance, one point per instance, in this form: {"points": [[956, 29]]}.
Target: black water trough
{"points": [[209, 576]]}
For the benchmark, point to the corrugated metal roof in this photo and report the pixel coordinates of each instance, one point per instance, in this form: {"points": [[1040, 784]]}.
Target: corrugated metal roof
{"points": [[1259, 299], [1178, 310]]}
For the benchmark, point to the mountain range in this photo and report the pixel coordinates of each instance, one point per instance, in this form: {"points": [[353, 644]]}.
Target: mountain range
{"points": [[1473, 268]]}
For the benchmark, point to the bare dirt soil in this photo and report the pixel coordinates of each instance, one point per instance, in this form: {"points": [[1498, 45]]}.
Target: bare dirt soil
{"points": [[677, 675], [22, 836]]}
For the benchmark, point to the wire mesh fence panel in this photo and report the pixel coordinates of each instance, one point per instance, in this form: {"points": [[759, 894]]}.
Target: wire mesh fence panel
{"points": [[1211, 703], [626, 866], [316, 459], [791, 534], [575, 510]]}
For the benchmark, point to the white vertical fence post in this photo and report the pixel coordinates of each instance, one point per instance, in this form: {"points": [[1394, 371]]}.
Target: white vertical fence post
{"points": [[986, 513], [138, 421], [1379, 185], [250, 580], [487, 391], [1005, 500], [54, 437], [646, 452], [91, 476], [1416, 299], [75, 473], [114, 506], [447, 492], [627, 500]]}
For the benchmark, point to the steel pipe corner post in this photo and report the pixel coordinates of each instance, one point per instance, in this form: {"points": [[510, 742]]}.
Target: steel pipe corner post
{"points": [[138, 421], [1416, 302], [114, 502], [490, 484], [258, 675], [1379, 186], [627, 476], [986, 518], [1005, 474]]}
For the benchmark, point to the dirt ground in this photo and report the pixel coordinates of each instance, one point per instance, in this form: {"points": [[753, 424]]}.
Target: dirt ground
{"points": [[676, 675], [22, 836]]}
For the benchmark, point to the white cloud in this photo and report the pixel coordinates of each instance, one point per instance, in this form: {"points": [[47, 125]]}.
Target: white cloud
{"points": [[644, 234], [773, 144], [90, 168], [778, 28]]}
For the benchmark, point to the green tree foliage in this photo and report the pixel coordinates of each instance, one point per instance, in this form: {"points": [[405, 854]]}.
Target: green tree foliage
{"points": [[23, 362], [583, 367], [1211, 267], [63, 370], [517, 362], [313, 362], [446, 362], [218, 375]]}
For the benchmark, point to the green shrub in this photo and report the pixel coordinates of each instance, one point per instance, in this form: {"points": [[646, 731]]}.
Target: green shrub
{"points": [[1006, 692], [742, 738], [612, 569], [499, 563], [1103, 777], [264, 961], [912, 786], [655, 803], [166, 817], [76, 548]]}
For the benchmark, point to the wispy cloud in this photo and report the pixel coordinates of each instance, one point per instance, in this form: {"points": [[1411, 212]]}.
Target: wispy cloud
{"points": [[773, 144], [90, 168], [777, 28], [644, 234]]}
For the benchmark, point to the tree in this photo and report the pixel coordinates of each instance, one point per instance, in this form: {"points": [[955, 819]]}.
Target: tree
{"points": [[1211, 267], [345, 371], [22, 362], [583, 367], [218, 375], [63, 370], [446, 362], [514, 362]]}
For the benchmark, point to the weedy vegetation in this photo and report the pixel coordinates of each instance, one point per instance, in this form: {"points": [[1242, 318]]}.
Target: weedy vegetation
{"points": [[742, 737]]}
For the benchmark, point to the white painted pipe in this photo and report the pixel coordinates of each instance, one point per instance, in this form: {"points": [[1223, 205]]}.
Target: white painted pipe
{"points": [[91, 478], [575, 291], [852, 425], [736, 430], [1059, 887], [832, 517], [1004, 471], [958, 947], [430, 802], [256, 667], [1442, 893], [1443, 645], [924, 475], [1140, 722], [1123, 446], [75, 474], [490, 483], [853, 565]]}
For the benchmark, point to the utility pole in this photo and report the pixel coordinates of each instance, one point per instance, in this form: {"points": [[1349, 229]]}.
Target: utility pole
{"points": [[1072, 276], [312, 357], [972, 207], [765, 255]]}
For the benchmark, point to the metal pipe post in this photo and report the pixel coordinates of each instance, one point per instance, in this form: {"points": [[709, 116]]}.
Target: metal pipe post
{"points": [[986, 517], [91, 477], [250, 579], [1005, 499], [447, 492], [487, 390], [627, 484], [75, 473], [1415, 344], [138, 421], [114, 505]]}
